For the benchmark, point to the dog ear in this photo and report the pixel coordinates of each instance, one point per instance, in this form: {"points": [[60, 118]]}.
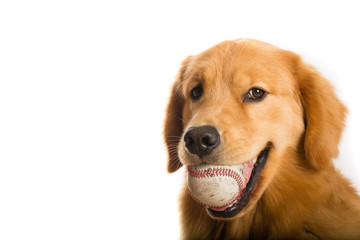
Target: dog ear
{"points": [[173, 126], [324, 116]]}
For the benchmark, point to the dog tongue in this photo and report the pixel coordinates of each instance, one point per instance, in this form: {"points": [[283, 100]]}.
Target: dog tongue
{"points": [[247, 167]]}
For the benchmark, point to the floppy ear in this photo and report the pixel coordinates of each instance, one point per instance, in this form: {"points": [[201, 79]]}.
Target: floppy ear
{"points": [[324, 116], [173, 126]]}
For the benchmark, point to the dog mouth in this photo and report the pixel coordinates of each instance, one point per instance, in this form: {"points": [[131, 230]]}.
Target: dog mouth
{"points": [[244, 198]]}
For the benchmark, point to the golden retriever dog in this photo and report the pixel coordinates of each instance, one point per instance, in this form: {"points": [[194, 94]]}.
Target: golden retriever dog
{"points": [[243, 100]]}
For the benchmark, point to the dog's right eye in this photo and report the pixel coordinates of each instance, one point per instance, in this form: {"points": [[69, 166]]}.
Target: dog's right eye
{"points": [[196, 92]]}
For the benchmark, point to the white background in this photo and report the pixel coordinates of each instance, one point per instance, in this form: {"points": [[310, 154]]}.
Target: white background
{"points": [[83, 88]]}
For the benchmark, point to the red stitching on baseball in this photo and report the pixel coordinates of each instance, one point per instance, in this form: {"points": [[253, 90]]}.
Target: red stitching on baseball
{"points": [[213, 172]]}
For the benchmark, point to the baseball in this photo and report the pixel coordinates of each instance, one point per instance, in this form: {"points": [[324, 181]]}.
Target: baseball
{"points": [[216, 186]]}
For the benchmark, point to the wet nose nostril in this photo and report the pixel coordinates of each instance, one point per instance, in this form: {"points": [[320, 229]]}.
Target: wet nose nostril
{"points": [[209, 141], [189, 142]]}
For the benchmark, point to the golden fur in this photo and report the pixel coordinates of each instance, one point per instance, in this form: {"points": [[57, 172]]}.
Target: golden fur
{"points": [[299, 195]]}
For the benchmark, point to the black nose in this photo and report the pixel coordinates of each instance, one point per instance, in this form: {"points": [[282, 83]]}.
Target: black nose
{"points": [[201, 140]]}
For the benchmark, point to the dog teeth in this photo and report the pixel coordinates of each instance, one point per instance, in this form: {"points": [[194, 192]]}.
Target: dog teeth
{"points": [[254, 161]]}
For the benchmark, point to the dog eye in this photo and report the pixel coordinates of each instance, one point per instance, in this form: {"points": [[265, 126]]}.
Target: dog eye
{"points": [[196, 92], [255, 94]]}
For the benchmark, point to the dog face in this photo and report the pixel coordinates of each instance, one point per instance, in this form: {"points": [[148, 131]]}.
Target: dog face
{"points": [[247, 96], [247, 100]]}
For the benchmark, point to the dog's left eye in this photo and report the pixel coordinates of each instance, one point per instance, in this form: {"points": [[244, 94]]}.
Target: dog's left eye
{"points": [[255, 94]]}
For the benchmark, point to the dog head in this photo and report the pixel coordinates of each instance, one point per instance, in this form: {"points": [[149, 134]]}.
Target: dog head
{"points": [[243, 100]]}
